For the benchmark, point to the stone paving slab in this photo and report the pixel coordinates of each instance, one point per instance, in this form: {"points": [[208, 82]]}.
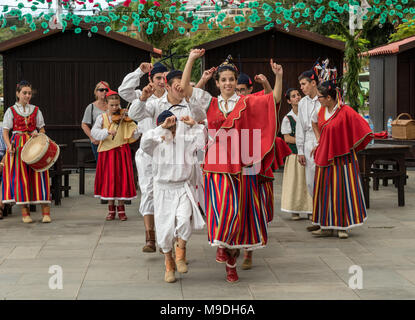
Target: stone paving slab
{"points": [[103, 259]]}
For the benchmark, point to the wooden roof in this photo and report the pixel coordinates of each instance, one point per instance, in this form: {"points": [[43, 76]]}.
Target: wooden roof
{"points": [[38, 34], [392, 48], [294, 31]]}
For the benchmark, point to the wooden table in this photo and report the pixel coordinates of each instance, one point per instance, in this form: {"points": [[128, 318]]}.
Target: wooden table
{"points": [[391, 152], [85, 159]]}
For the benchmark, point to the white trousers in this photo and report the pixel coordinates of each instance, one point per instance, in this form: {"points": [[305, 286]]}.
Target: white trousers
{"points": [[310, 167], [172, 212], [145, 182]]}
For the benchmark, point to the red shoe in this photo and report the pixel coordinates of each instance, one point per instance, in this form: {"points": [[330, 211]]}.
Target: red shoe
{"points": [[111, 213], [121, 213], [221, 255], [231, 274]]}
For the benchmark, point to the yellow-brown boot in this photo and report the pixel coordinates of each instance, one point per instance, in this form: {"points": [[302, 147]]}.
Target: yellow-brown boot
{"points": [[181, 259], [46, 215], [169, 275], [26, 215], [247, 263]]}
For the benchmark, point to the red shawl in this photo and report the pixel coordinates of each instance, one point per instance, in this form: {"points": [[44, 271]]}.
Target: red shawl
{"points": [[251, 112], [343, 132]]}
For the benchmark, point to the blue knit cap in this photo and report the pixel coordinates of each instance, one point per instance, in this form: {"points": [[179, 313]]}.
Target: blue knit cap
{"points": [[163, 116]]}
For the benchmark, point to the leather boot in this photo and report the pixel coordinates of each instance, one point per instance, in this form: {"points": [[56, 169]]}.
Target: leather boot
{"points": [[150, 245], [221, 255], [247, 263], [111, 213], [26, 215], [181, 260], [231, 274], [121, 213], [169, 275], [46, 215]]}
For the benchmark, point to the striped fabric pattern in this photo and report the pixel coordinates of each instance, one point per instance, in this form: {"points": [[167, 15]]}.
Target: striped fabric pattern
{"points": [[338, 195], [235, 216], [266, 189], [21, 184]]}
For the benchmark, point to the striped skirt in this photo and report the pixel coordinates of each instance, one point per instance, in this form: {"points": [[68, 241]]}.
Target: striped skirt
{"points": [[238, 209], [338, 201], [21, 184], [114, 177]]}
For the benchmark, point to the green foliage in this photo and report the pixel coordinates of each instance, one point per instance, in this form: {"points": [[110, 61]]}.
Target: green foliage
{"points": [[403, 31]]}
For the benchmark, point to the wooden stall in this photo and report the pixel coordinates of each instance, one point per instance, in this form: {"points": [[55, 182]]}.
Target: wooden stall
{"points": [[64, 68], [296, 49]]}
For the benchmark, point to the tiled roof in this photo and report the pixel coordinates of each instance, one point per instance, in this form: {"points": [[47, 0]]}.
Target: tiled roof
{"points": [[392, 48]]}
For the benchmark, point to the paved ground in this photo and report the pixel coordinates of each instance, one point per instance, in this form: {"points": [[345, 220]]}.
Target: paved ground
{"points": [[103, 260]]}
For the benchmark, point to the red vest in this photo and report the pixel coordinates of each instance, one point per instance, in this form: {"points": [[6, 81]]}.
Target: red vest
{"points": [[21, 123]]}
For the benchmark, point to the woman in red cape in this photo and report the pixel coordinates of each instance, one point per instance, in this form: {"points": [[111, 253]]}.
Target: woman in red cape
{"points": [[238, 195], [338, 202]]}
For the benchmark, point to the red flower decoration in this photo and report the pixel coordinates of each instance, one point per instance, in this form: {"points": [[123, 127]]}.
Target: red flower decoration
{"points": [[126, 3], [156, 4]]}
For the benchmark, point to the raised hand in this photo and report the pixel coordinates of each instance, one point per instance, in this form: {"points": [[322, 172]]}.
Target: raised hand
{"points": [[276, 68], [169, 122], [260, 78], [196, 53], [146, 67], [207, 74], [188, 120], [147, 92], [177, 87]]}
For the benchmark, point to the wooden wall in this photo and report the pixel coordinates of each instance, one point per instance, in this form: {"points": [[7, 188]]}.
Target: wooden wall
{"points": [[295, 54], [64, 69]]}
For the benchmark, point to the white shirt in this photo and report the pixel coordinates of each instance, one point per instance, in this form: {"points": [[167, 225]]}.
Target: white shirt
{"points": [[140, 110], [327, 114], [304, 131], [128, 92], [24, 112], [200, 101], [285, 125], [173, 158], [99, 133]]}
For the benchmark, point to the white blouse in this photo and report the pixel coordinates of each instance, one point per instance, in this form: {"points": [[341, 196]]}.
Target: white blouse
{"points": [[24, 112], [99, 133], [327, 114], [285, 125]]}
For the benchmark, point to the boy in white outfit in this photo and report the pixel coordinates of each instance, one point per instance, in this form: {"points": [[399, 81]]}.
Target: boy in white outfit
{"points": [[305, 138], [172, 145]]}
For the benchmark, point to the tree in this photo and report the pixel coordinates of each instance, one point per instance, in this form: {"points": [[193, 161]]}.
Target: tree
{"points": [[403, 31]]}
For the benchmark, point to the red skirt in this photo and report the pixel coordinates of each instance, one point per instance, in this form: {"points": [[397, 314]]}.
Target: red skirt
{"points": [[114, 178]]}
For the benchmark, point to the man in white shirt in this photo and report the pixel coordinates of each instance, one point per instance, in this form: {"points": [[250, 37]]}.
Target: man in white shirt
{"points": [[305, 138], [128, 92]]}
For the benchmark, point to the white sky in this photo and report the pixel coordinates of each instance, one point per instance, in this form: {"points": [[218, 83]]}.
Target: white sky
{"points": [[41, 6]]}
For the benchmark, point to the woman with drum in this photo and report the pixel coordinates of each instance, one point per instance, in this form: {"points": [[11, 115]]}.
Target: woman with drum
{"points": [[21, 184], [92, 111]]}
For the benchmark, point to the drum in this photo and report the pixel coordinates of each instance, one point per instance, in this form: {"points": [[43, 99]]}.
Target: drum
{"points": [[40, 152]]}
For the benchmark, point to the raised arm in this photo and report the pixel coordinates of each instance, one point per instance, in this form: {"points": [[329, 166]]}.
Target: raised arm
{"points": [[206, 76], [261, 79], [187, 72], [132, 80], [139, 109], [278, 71]]}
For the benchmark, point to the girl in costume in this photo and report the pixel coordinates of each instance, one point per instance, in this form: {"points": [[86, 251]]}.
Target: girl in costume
{"points": [[237, 197], [114, 178], [21, 184], [338, 202], [295, 197]]}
